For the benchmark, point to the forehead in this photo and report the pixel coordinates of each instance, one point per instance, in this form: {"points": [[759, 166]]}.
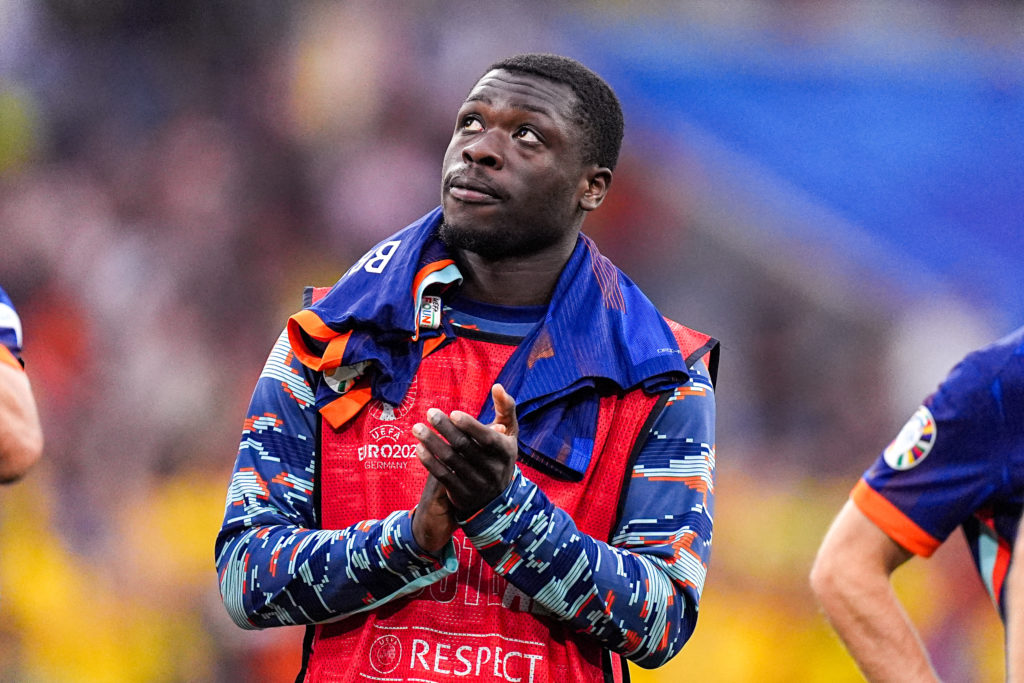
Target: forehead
{"points": [[524, 91]]}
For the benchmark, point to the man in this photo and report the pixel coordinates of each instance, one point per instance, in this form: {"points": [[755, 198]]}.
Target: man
{"points": [[21, 439], [483, 455], [959, 461]]}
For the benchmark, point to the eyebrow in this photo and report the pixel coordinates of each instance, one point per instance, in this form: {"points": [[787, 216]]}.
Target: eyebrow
{"points": [[514, 105]]}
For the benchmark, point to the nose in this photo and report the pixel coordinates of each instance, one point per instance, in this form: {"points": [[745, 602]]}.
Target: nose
{"points": [[485, 149]]}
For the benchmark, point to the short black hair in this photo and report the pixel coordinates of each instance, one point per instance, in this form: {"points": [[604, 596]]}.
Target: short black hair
{"points": [[597, 109]]}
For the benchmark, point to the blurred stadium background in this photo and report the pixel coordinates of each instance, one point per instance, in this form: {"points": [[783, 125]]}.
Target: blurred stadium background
{"points": [[835, 189]]}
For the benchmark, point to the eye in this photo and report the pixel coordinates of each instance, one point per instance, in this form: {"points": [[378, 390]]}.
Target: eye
{"points": [[527, 135], [471, 124]]}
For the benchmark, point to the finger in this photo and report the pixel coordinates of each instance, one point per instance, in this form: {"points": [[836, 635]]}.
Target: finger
{"points": [[429, 438], [459, 430], [433, 465], [456, 487], [504, 409], [457, 470], [434, 447], [484, 438]]}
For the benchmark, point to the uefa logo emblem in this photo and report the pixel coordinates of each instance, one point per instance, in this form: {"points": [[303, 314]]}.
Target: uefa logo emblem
{"points": [[385, 654], [385, 412]]}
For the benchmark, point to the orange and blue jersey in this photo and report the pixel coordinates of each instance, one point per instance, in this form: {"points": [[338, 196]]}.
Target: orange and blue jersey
{"points": [[10, 332], [277, 566], [958, 462]]}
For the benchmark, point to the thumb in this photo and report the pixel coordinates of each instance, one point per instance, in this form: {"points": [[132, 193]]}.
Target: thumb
{"points": [[504, 411]]}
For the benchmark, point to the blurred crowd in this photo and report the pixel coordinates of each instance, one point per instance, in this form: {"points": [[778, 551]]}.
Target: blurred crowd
{"points": [[173, 173]]}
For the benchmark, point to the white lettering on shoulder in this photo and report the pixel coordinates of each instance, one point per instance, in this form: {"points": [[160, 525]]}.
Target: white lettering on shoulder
{"points": [[375, 260], [379, 259]]}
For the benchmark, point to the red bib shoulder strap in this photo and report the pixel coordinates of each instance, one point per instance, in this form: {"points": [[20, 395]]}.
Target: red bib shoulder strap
{"points": [[311, 295], [695, 346]]}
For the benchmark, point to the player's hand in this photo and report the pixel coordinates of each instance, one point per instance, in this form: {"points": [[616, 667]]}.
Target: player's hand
{"points": [[474, 462], [433, 522]]}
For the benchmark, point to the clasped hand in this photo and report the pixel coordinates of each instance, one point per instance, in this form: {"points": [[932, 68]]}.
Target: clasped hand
{"points": [[469, 463]]}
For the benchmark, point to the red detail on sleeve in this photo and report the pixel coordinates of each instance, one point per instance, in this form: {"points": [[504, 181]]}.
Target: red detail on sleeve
{"points": [[264, 491], [506, 567], [250, 422], [1001, 567], [283, 480], [893, 521], [1004, 552], [664, 638], [684, 544], [682, 392], [609, 600], [288, 390], [273, 561]]}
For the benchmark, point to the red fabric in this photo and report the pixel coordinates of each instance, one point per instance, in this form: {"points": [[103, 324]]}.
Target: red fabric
{"points": [[616, 668], [691, 341], [473, 625]]}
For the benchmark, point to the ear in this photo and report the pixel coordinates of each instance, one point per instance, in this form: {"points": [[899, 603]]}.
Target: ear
{"points": [[598, 180]]}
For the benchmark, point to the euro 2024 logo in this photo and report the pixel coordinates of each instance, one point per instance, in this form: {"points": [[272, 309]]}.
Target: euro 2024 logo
{"points": [[913, 443], [385, 412]]}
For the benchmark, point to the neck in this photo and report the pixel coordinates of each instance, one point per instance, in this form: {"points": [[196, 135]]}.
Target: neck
{"points": [[515, 281]]}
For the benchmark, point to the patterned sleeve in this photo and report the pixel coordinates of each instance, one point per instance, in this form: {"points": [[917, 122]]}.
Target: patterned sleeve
{"points": [[275, 567], [10, 332], [639, 594], [945, 463]]}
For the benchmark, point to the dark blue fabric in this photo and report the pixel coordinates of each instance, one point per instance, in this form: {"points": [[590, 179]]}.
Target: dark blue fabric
{"points": [[972, 476], [600, 335], [10, 326], [508, 321]]}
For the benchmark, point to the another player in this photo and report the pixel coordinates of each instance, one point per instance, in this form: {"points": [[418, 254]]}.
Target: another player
{"points": [[958, 462], [1014, 588], [483, 455], [21, 439]]}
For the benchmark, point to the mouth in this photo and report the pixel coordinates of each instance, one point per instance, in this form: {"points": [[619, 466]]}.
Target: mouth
{"points": [[472, 190]]}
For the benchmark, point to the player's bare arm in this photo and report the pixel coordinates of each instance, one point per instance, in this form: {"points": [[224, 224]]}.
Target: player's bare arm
{"points": [[21, 439], [851, 580]]}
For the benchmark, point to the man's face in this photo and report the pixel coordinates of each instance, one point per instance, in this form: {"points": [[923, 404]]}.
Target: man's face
{"points": [[512, 177]]}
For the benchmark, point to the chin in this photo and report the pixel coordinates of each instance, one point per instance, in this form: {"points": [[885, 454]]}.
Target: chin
{"points": [[495, 242], [490, 244]]}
